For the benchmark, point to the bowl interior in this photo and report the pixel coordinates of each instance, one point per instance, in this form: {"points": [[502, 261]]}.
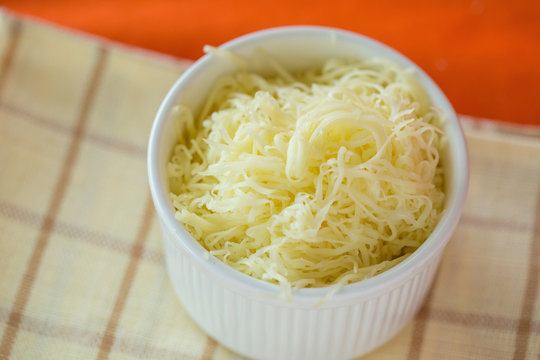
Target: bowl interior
{"points": [[297, 48]]}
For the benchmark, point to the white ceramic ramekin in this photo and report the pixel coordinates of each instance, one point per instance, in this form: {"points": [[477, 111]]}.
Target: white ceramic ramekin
{"points": [[246, 314]]}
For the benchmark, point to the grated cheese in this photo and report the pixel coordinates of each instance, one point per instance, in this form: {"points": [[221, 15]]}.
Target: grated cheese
{"points": [[322, 178]]}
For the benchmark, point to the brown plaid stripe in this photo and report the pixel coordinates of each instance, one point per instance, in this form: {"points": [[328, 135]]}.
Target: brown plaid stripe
{"points": [[531, 290], [123, 292], [108, 141], [14, 31], [57, 196], [134, 347], [46, 312]]}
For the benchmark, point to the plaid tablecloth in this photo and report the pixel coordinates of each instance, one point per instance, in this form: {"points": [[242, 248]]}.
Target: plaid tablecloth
{"points": [[81, 262]]}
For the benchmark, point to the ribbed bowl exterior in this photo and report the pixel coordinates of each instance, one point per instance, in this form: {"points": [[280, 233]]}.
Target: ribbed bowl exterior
{"points": [[247, 315], [263, 328]]}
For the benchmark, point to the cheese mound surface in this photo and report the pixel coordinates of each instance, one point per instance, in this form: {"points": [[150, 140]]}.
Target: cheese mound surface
{"points": [[325, 177]]}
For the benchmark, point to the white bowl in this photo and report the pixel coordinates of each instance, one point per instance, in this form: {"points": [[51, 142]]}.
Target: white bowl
{"points": [[245, 314]]}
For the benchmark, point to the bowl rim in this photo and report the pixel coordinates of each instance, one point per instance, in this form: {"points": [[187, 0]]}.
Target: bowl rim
{"points": [[249, 285]]}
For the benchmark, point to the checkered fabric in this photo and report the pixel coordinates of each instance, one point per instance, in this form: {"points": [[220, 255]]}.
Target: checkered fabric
{"points": [[81, 257]]}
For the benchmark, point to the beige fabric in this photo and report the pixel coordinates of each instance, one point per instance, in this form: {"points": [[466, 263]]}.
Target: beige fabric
{"points": [[81, 263]]}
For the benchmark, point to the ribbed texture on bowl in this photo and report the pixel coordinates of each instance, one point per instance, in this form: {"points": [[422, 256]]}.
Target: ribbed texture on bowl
{"points": [[264, 328]]}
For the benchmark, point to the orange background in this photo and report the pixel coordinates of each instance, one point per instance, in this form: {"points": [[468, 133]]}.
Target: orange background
{"points": [[485, 54]]}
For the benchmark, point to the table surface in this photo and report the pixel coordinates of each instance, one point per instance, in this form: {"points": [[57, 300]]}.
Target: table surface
{"points": [[81, 258], [483, 53]]}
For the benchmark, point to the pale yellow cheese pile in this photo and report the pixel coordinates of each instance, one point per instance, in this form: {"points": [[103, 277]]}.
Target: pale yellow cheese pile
{"points": [[307, 180]]}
